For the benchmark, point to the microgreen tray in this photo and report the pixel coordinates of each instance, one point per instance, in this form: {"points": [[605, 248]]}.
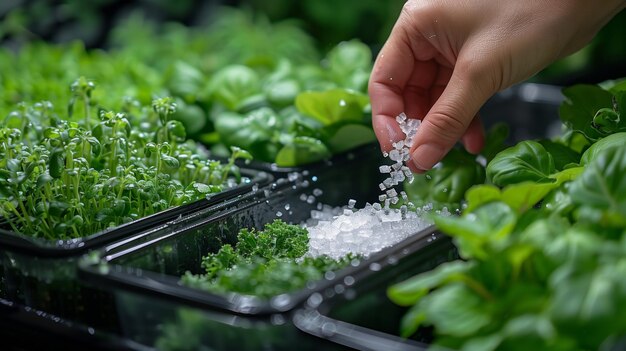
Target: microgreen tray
{"points": [[41, 274]]}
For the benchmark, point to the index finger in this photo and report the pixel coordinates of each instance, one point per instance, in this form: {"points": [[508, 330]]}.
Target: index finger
{"points": [[396, 74]]}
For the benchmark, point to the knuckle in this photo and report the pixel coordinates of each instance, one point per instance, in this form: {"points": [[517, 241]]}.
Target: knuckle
{"points": [[446, 125]]}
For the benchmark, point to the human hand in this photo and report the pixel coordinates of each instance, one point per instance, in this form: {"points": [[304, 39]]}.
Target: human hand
{"points": [[445, 58]]}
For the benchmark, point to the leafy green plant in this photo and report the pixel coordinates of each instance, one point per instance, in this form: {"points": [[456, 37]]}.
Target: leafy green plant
{"points": [[263, 263], [542, 247], [62, 179]]}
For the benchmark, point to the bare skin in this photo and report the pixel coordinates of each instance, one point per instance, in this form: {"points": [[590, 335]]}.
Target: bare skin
{"points": [[445, 58]]}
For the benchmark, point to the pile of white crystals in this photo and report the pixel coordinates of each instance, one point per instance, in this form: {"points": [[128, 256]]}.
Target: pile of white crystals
{"points": [[338, 231]]}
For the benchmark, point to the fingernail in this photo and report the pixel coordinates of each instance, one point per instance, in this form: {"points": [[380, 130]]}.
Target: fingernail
{"points": [[426, 156]]}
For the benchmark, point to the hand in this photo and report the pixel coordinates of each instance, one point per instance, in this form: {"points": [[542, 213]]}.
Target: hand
{"points": [[445, 58]]}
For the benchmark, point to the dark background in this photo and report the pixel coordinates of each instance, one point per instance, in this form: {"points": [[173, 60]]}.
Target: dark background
{"points": [[328, 21]]}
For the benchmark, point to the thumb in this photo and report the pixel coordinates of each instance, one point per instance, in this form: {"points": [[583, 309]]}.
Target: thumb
{"points": [[449, 118]]}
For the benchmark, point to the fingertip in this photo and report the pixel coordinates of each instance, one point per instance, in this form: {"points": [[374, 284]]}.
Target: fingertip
{"points": [[387, 131]]}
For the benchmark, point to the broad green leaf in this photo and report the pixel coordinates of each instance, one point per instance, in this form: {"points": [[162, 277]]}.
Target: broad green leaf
{"points": [[456, 310], [412, 290], [412, 320], [523, 196], [478, 230], [302, 151], [244, 131], [479, 195], [332, 106], [282, 93], [602, 185], [192, 116], [613, 140], [184, 80], [350, 136], [348, 56], [561, 154], [457, 172], [567, 175], [526, 161], [581, 104], [233, 84]]}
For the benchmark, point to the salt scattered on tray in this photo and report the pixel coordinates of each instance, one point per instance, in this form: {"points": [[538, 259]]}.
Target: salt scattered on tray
{"points": [[339, 231]]}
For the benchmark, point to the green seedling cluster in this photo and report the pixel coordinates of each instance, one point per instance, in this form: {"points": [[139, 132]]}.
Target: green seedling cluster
{"points": [[543, 242], [63, 178], [264, 263]]}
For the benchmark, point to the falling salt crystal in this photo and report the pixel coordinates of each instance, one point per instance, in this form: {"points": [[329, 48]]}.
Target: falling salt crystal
{"points": [[399, 177], [279, 214], [404, 196], [387, 183], [382, 197], [287, 207], [410, 178], [303, 197], [310, 199], [384, 169], [392, 193], [351, 203], [382, 186], [317, 192], [255, 188], [394, 155]]}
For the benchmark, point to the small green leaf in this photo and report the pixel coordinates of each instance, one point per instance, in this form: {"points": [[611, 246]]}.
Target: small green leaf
{"points": [[56, 164], [170, 162]]}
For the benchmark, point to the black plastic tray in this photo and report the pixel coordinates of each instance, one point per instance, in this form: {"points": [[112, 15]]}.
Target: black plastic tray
{"points": [[42, 274], [354, 319], [154, 261], [144, 275], [361, 164], [10, 240]]}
